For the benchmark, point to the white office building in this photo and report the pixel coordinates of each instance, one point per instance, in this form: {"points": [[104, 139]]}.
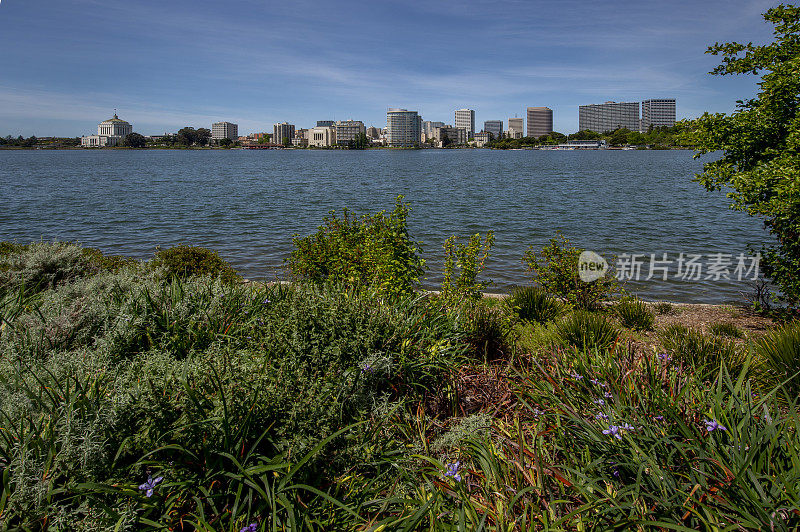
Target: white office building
{"points": [[109, 133], [282, 131], [347, 131], [429, 128], [465, 118], [224, 130], [321, 137], [609, 116], [658, 113], [403, 128]]}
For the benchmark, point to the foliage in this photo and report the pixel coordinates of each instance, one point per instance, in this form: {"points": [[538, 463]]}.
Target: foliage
{"points": [[533, 304], [664, 308], [373, 249], [634, 314], [587, 331], [778, 354], [189, 136], [134, 140], [760, 143], [555, 269], [187, 261], [694, 349], [725, 328], [486, 330], [469, 261]]}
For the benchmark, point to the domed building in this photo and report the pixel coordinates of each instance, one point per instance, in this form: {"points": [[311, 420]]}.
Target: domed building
{"points": [[109, 133]]}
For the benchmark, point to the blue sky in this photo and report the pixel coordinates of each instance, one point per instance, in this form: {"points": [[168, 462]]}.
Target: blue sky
{"points": [[66, 64]]}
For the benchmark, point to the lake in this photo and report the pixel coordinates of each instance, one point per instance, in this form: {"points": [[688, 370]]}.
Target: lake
{"points": [[247, 204]]}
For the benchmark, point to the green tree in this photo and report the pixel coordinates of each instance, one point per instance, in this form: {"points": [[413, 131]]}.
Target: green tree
{"points": [[287, 142], [202, 135], [619, 137], [760, 144], [186, 136], [225, 143], [134, 140]]}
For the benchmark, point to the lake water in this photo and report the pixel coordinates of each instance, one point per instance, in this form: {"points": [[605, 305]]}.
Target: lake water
{"points": [[247, 204]]}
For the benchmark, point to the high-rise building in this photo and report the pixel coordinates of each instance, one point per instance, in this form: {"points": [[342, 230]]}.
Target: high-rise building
{"points": [[495, 127], [448, 135], [516, 128], [373, 132], [348, 130], [403, 128], [324, 123], [658, 113], [282, 131], [465, 118], [224, 130], [540, 121], [609, 116], [429, 128]]}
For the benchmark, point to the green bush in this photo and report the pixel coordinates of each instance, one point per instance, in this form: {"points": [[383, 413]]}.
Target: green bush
{"points": [[373, 249], [533, 304], [42, 265], [486, 330], [587, 331], [663, 308], [465, 259], [555, 269], [188, 261], [778, 353], [634, 314], [725, 328], [693, 348]]}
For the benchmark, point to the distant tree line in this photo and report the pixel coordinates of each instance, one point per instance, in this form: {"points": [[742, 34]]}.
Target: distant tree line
{"points": [[33, 141], [655, 137]]}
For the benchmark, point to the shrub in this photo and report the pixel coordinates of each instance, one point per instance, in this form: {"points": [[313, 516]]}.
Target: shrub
{"points": [[695, 349], [726, 328], [533, 304], [465, 259], [664, 308], [486, 330], [778, 354], [587, 331], [556, 270], [189, 261], [42, 265], [634, 314], [373, 249]]}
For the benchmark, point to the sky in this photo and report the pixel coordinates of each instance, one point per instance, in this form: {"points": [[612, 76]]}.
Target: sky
{"points": [[165, 64]]}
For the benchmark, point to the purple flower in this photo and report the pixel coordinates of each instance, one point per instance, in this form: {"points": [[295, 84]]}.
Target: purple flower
{"points": [[366, 368], [601, 416], [608, 395], [599, 402], [265, 302], [150, 485], [252, 527], [613, 430], [576, 376], [452, 471], [663, 357], [595, 381], [659, 418], [626, 426], [712, 425]]}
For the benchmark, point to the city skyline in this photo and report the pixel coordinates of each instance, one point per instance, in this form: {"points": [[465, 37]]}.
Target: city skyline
{"points": [[163, 67]]}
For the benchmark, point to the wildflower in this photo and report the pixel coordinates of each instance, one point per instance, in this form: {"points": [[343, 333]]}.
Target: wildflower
{"points": [[452, 471], [576, 376], [613, 430], [659, 418], [599, 402], [265, 302], [608, 395], [252, 527], [663, 357], [626, 426], [366, 368], [150, 485], [595, 381], [712, 425], [537, 412], [602, 416]]}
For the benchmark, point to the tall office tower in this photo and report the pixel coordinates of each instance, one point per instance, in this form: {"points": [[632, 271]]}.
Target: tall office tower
{"points": [[495, 127], [348, 131], [658, 113], [324, 123], [224, 130], [540, 121], [429, 128], [403, 128], [516, 128], [609, 116], [465, 119], [282, 131]]}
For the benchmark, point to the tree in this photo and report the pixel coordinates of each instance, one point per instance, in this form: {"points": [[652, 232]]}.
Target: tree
{"points": [[619, 137], [187, 136], [225, 142], [134, 140], [760, 144], [287, 142], [202, 135]]}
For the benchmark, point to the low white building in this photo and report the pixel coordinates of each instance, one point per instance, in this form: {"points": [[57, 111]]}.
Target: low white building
{"points": [[321, 137], [481, 139], [109, 133]]}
